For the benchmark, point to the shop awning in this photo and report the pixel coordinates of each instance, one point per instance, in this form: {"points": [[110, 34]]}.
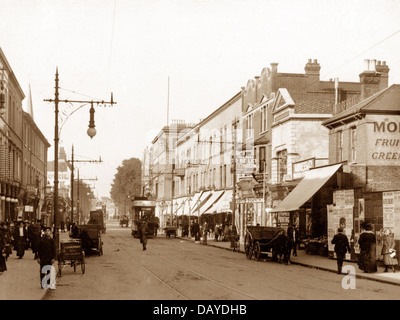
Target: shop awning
{"points": [[179, 206], [313, 180], [191, 202], [199, 203], [223, 204], [211, 200]]}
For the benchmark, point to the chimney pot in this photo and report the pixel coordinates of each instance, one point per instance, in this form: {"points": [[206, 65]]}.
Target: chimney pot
{"points": [[315, 61], [378, 62], [373, 65], [384, 63], [366, 64]]}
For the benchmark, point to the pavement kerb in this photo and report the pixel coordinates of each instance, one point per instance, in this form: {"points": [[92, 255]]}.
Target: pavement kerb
{"points": [[307, 265]]}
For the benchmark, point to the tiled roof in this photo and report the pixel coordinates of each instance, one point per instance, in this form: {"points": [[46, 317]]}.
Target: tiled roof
{"points": [[386, 101]]}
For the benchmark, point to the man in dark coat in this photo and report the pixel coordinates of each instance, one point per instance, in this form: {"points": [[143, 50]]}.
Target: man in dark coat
{"points": [[47, 256], [142, 233], [3, 266], [34, 233], [196, 231], [21, 239], [342, 246]]}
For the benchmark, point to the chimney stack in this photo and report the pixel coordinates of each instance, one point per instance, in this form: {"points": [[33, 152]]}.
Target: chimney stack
{"points": [[312, 69], [370, 79], [383, 69], [274, 76]]}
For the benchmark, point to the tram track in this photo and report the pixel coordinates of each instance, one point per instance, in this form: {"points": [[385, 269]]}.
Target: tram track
{"points": [[141, 265], [202, 276], [249, 296], [274, 277]]}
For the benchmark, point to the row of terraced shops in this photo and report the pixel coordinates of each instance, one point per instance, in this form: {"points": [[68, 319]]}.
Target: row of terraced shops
{"points": [[316, 154]]}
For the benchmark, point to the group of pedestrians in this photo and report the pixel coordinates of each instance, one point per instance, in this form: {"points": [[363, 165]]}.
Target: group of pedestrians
{"points": [[21, 236], [367, 261]]}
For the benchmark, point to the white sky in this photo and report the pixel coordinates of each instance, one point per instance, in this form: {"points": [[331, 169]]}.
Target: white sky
{"points": [[209, 49]]}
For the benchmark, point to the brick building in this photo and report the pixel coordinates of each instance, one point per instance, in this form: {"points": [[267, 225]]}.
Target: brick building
{"points": [[283, 113], [367, 138]]}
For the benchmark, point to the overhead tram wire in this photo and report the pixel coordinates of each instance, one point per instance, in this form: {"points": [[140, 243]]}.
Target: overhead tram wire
{"points": [[111, 45], [81, 94], [365, 51], [353, 58]]}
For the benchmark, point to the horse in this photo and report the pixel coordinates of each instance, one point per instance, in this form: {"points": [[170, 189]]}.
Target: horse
{"points": [[281, 248]]}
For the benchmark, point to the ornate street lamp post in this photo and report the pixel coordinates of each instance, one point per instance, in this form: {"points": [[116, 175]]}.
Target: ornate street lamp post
{"points": [[91, 132]]}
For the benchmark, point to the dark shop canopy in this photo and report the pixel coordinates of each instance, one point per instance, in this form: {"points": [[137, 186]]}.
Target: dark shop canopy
{"points": [[305, 190]]}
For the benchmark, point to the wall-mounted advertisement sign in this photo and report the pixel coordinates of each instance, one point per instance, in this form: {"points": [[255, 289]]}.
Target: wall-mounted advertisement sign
{"points": [[341, 215], [391, 212], [384, 140]]}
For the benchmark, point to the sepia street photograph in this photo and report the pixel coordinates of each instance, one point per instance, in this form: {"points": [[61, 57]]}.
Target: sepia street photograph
{"points": [[199, 158]]}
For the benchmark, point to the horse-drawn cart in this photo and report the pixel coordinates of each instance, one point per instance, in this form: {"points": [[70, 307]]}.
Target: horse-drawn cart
{"points": [[71, 253], [260, 240]]}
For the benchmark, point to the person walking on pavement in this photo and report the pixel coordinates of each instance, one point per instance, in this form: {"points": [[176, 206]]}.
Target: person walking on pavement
{"points": [[290, 243], [3, 266], [295, 240], [35, 231], [142, 233], [388, 250], [46, 258], [8, 240], [196, 231], [342, 246], [205, 232], [21, 239]]}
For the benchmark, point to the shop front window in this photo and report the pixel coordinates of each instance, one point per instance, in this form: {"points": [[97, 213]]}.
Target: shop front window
{"points": [[282, 165]]}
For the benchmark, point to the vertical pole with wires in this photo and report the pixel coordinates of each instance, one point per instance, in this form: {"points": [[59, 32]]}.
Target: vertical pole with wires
{"points": [[56, 140], [168, 104]]}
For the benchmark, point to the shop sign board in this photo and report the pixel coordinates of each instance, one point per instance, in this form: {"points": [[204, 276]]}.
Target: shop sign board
{"points": [[299, 168], [384, 140], [391, 212]]}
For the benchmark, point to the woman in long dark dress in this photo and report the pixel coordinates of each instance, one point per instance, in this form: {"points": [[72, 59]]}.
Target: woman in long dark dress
{"points": [[367, 242]]}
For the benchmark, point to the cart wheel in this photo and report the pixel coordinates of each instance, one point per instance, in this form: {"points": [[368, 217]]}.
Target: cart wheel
{"points": [[257, 251], [83, 266]]}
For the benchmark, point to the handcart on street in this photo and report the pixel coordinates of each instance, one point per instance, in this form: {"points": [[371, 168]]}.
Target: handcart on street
{"points": [[90, 235], [71, 253], [261, 240], [169, 231]]}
